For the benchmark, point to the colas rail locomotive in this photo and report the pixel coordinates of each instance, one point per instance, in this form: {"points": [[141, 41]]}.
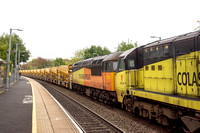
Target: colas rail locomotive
{"points": [[160, 80]]}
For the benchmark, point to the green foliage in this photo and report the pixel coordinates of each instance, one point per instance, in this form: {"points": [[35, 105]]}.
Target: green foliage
{"points": [[40, 63], [123, 46], [37, 64], [4, 45], [77, 57], [95, 51], [58, 62]]}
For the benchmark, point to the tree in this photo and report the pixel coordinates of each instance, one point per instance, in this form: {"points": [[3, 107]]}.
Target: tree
{"points": [[37, 64], [123, 46], [4, 44], [41, 63], [58, 62], [79, 55], [95, 51], [26, 66]]}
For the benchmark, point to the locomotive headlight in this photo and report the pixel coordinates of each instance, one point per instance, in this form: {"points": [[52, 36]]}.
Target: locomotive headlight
{"points": [[197, 114]]}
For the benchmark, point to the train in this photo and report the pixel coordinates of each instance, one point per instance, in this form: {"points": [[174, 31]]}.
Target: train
{"points": [[159, 80]]}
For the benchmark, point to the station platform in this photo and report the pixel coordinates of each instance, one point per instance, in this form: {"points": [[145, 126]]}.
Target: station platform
{"points": [[28, 107]]}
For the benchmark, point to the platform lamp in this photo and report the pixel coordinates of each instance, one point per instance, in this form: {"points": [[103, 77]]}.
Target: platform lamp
{"points": [[156, 37], [8, 59], [16, 64]]}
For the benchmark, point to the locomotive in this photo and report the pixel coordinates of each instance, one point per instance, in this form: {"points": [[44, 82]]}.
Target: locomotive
{"points": [[159, 80]]}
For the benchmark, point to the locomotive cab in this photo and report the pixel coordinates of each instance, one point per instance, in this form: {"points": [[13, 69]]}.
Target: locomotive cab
{"points": [[129, 72], [109, 68]]}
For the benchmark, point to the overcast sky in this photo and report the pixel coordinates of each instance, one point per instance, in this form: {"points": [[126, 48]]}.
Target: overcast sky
{"points": [[58, 28]]}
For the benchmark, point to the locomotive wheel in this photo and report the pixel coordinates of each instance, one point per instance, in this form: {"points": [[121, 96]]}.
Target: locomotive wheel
{"points": [[145, 113], [94, 95], [82, 90], [78, 89], [128, 103], [106, 98], [162, 119], [101, 97], [129, 107]]}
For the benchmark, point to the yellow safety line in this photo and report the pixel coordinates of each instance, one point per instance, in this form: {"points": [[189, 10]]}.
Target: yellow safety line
{"points": [[2, 91], [34, 120]]}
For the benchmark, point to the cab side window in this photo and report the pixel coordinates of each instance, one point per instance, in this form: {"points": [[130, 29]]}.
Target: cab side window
{"points": [[131, 63], [107, 67], [121, 65], [115, 66]]}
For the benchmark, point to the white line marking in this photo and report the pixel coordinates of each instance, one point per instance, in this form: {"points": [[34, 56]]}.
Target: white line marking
{"points": [[28, 99]]}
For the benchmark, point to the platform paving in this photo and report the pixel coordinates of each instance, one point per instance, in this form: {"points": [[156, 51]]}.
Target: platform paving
{"points": [[28, 107], [49, 117], [16, 108]]}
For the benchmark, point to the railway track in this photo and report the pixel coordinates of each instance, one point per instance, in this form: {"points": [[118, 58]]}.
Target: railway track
{"points": [[90, 121], [124, 120]]}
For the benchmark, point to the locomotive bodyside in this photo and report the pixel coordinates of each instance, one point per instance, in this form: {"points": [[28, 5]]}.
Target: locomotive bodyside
{"points": [[95, 77], [88, 73], [171, 80]]}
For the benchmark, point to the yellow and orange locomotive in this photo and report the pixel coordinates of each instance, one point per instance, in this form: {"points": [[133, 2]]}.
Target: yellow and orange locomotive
{"points": [[159, 80]]}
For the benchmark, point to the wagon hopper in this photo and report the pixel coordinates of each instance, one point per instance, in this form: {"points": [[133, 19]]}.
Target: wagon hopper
{"points": [[64, 72]]}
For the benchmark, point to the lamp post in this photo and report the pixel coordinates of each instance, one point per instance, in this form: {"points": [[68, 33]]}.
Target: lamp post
{"points": [[8, 59], [198, 28], [156, 37], [16, 64], [11, 76]]}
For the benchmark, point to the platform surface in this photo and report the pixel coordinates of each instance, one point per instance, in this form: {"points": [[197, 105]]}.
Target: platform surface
{"points": [[49, 115], [16, 108], [28, 107]]}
